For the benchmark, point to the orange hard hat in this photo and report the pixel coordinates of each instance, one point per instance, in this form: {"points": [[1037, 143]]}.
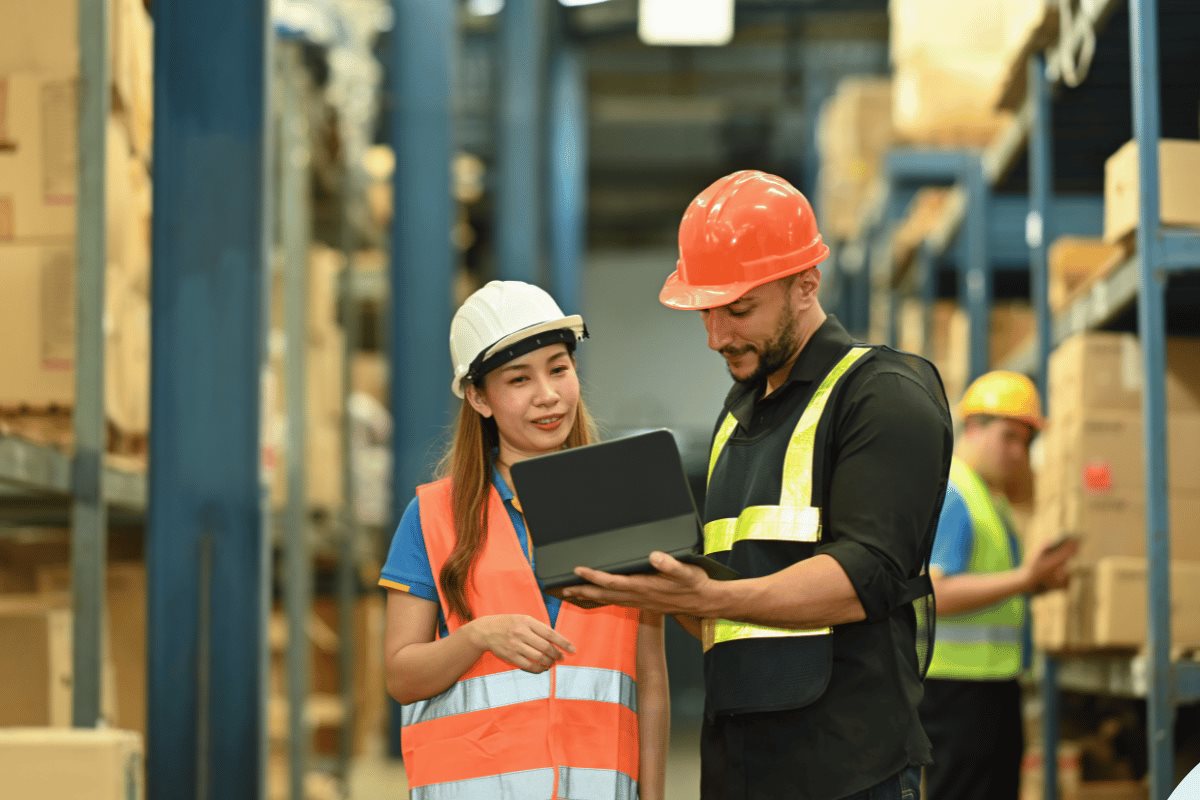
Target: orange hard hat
{"points": [[747, 229], [1003, 394]]}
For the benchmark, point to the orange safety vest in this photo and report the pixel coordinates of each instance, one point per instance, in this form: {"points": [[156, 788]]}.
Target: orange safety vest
{"points": [[501, 733]]}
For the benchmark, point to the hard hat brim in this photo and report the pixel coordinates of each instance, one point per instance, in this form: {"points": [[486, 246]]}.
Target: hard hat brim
{"points": [[678, 294], [571, 322]]}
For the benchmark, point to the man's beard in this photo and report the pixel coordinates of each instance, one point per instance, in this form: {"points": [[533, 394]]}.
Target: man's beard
{"points": [[776, 352]]}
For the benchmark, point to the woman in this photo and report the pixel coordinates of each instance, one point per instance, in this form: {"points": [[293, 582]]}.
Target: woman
{"points": [[506, 692]]}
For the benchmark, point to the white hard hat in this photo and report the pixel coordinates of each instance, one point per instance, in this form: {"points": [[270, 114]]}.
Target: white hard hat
{"points": [[501, 321]]}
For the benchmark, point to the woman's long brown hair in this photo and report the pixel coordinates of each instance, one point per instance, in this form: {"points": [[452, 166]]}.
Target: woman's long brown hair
{"points": [[467, 462]]}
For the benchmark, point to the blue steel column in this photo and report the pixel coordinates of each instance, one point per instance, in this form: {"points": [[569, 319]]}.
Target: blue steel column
{"points": [[977, 291], [89, 520], [206, 551], [422, 262], [520, 205], [1039, 232], [568, 162], [1160, 701]]}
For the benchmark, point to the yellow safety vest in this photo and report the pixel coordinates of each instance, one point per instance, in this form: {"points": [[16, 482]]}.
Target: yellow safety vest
{"points": [[985, 644]]}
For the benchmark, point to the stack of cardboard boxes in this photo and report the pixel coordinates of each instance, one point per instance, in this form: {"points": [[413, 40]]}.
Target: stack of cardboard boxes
{"points": [[854, 133], [325, 714], [39, 84], [38, 751], [325, 348], [951, 60], [1091, 483]]}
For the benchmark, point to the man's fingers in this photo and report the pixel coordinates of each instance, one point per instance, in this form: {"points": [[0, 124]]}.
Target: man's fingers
{"points": [[671, 566]]}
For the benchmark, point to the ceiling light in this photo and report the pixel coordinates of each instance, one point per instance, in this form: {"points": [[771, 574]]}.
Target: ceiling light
{"points": [[685, 22], [484, 8]]}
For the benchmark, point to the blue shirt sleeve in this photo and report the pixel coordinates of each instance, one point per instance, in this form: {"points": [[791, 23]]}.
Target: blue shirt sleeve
{"points": [[955, 537], [407, 567]]}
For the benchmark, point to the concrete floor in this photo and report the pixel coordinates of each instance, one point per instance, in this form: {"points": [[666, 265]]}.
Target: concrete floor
{"points": [[375, 777]]}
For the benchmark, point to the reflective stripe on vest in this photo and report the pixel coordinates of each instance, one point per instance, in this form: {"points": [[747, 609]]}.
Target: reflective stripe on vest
{"points": [[477, 694], [574, 783], [966, 633], [579, 783], [599, 685], [505, 786], [985, 644], [795, 519], [517, 686]]}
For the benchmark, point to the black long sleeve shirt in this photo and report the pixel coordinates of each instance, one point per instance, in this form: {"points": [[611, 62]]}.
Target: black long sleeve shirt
{"points": [[884, 474]]}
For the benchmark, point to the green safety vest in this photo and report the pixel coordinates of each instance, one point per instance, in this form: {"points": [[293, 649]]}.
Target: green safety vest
{"points": [[985, 644]]}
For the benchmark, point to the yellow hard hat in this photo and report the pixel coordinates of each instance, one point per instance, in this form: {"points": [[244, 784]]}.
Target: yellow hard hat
{"points": [[1003, 394]]}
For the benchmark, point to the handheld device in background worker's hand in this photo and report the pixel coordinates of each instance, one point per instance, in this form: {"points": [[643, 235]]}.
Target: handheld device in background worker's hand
{"points": [[1048, 566]]}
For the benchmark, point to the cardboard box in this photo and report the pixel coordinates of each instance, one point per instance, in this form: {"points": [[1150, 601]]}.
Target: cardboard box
{"points": [[37, 324], [945, 28], [1113, 790], [324, 465], [44, 37], [126, 598], [1096, 370], [1179, 196], [1102, 452], [35, 662], [369, 375], [1115, 525], [1104, 371], [72, 764], [855, 128], [1013, 324], [1062, 619], [1070, 773], [39, 162], [1074, 262], [1121, 610], [949, 102]]}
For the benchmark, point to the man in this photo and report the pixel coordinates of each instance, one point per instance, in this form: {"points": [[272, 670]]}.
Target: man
{"points": [[980, 582], [827, 471]]}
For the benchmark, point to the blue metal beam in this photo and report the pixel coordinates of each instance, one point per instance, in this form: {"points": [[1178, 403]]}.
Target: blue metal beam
{"points": [[1179, 251], [976, 270], [206, 551], [568, 170], [422, 262], [1147, 123], [89, 518], [1039, 232], [927, 167], [520, 206]]}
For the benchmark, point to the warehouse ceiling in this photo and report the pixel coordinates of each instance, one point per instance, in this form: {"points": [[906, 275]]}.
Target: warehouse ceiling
{"points": [[666, 121]]}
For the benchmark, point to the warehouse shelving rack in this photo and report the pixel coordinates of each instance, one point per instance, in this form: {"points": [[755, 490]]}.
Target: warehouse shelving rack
{"points": [[41, 485], [1134, 292]]}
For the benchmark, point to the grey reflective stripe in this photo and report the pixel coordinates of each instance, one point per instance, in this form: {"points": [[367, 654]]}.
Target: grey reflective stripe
{"points": [[575, 783], [966, 633], [476, 694], [593, 683], [525, 785]]}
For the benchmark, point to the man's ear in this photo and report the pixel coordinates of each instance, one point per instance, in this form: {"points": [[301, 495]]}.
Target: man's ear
{"points": [[805, 287], [478, 400]]}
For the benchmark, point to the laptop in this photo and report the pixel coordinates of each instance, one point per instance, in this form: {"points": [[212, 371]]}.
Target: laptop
{"points": [[608, 506]]}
